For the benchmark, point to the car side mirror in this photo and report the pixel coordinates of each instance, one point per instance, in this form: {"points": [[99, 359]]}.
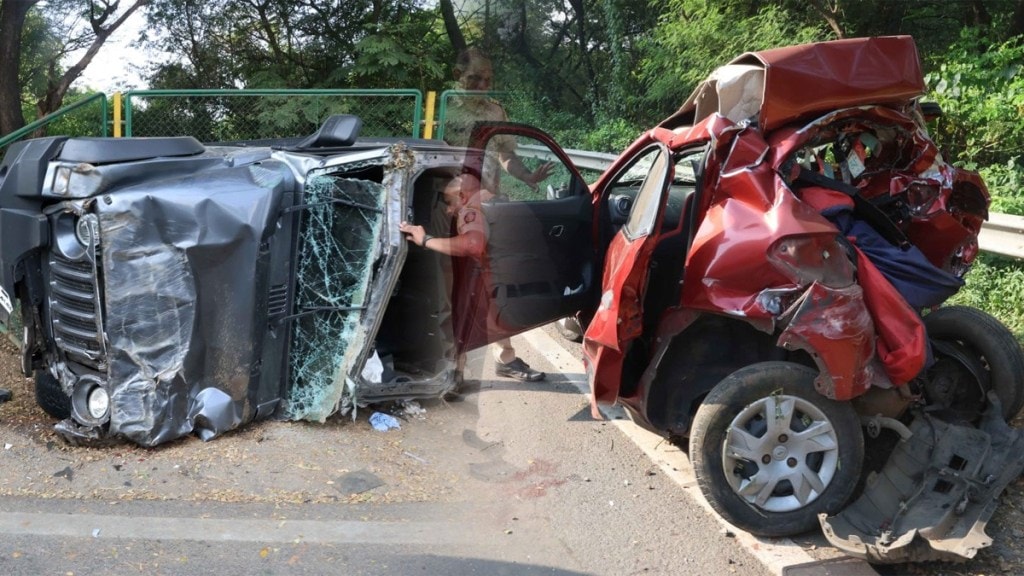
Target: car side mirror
{"points": [[337, 130], [931, 110]]}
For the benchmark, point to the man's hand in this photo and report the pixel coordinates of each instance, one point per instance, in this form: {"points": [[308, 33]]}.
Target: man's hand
{"points": [[413, 233], [534, 178], [542, 172]]}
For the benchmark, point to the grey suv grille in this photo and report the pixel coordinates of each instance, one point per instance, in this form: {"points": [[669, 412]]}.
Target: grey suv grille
{"points": [[74, 311]]}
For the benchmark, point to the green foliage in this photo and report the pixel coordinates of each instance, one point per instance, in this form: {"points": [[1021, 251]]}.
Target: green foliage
{"points": [[1005, 183], [409, 54], [996, 285], [694, 37], [287, 44], [40, 46], [981, 90], [612, 135], [85, 121]]}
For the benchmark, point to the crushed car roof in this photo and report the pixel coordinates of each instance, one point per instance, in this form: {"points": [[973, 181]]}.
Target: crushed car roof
{"points": [[773, 84]]}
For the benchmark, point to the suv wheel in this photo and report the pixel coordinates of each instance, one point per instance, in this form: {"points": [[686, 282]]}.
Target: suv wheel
{"points": [[51, 397], [770, 453]]}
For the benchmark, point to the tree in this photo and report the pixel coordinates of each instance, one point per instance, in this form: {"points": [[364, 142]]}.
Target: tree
{"points": [[293, 43], [101, 17], [12, 21], [693, 37], [103, 20]]}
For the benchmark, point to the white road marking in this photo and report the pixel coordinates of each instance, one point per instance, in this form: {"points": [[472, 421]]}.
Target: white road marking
{"points": [[104, 526], [775, 553]]}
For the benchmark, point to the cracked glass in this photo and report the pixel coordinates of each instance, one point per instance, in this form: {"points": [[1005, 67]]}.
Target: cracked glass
{"points": [[341, 224]]}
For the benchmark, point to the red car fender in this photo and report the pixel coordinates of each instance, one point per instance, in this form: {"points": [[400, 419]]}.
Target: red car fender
{"points": [[834, 326]]}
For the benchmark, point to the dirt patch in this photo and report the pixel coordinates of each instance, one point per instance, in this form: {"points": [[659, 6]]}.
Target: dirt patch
{"points": [[271, 461]]}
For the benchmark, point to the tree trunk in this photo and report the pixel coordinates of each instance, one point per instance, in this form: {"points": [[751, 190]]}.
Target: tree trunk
{"points": [[1016, 22], [829, 12], [451, 26], [12, 21]]}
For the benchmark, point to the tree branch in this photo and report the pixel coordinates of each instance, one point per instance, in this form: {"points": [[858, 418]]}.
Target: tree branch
{"points": [[56, 89], [829, 13]]}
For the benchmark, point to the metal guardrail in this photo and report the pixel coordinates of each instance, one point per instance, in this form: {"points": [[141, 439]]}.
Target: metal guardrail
{"points": [[1002, 235]]}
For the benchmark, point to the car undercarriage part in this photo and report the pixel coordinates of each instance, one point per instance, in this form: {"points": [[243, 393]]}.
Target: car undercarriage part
{"points": [[935, 494]]}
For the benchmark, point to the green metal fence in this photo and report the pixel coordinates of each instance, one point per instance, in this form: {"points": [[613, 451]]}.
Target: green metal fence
{"points": [[231, 115], [87, 117], [458, 109]]}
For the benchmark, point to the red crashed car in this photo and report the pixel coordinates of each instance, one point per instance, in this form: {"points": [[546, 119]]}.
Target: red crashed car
{"points": [[773, 251]]}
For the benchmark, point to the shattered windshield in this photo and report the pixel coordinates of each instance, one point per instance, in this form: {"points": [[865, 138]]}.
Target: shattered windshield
{"points": [[337, 247]]}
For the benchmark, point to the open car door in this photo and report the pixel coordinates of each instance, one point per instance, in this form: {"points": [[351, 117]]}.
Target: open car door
{"points": [[539, 263], [646, 180]]}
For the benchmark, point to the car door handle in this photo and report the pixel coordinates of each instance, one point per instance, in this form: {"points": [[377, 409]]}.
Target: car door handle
{"points": [[556, 230]]}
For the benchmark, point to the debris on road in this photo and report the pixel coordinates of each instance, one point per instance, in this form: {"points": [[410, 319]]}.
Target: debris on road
{"points": [[412, 409], [383, 422]]}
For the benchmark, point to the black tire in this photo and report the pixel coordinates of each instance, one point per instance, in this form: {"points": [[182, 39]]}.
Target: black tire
{"points": [[740, 404], [991, 344], [50, 397]]}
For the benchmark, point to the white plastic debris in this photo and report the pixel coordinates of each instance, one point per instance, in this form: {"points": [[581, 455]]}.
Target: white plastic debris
{"points": [[373, 370], [383, 422], [412, 408]]}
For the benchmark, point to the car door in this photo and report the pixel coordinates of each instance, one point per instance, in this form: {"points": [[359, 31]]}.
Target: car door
{"points": [[645, 179], [539, 264]]}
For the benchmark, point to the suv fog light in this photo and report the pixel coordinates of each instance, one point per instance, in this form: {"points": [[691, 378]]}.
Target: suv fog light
{"points": [[98, 402], [90, 401]]}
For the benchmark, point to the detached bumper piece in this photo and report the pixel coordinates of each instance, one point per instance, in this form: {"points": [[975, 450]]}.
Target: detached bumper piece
{"points": [[934, 496]]}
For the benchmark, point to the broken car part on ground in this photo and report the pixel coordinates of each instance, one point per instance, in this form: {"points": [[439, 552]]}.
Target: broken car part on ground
{"points": [[752, 274]]}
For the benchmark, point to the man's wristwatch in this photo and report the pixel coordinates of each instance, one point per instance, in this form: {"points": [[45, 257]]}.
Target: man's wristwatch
{"points": [[426, 238]]}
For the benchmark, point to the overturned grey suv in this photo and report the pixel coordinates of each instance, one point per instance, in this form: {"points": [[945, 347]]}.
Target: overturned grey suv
{"points": [[162, 287]]}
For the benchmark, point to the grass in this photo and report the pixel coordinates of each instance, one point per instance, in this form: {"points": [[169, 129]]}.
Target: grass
{"points": [[996, 285]]}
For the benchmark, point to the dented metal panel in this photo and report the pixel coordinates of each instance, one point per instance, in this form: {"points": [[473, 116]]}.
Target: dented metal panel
{"points": [[781, 85], [177, 296]]}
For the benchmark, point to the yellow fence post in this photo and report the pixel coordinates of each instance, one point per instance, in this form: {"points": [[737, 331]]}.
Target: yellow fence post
{"points": [[428, 118], [117, 114]]}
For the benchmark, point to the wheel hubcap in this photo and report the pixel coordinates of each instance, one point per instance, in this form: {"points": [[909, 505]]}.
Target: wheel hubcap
{"points": [[780, 453]]}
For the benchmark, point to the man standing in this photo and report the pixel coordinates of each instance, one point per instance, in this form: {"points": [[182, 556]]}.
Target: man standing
{"points": [[463, 198], [473, 72]]}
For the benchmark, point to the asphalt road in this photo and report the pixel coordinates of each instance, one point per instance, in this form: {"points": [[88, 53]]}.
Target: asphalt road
{"points": [[513, 478]]}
